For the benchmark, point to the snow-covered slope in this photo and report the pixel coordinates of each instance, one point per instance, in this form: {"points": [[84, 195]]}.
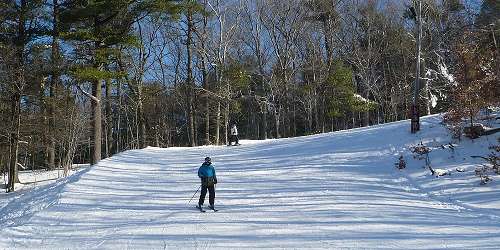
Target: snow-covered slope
{"points": [[329, 191]]}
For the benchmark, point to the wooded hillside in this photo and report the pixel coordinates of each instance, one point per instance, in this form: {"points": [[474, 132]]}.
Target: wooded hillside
{"points": [[81, 80]]}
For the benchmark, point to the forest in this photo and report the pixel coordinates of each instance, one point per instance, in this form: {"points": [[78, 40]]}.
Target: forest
{"points": [[82, 80]]}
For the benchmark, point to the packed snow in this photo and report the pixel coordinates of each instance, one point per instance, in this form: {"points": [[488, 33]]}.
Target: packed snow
{"points": [[33, 179], [328, 191]]}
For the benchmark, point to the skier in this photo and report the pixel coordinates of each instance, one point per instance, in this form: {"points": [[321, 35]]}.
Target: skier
{"points": [[208, 180], [234, 136]]}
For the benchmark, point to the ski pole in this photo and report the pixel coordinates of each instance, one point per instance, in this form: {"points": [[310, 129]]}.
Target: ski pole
{"points": [[194, 194]]}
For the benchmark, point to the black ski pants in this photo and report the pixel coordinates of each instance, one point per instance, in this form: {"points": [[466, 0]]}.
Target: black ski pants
{"points": [[234, 138], [211, 191]]}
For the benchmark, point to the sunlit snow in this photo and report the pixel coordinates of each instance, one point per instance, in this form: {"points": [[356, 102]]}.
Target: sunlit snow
{"points": [[328, 191]]}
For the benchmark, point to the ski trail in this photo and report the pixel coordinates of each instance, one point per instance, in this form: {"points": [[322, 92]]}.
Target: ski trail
{"points": [[330, 191], [472, 212]]}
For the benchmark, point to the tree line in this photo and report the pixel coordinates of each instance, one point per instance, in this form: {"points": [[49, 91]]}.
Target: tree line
{"points": [[81, 80]]}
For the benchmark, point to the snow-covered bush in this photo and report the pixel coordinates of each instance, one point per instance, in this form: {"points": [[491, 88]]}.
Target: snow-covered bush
{"points": [[401, 164], [421, 152], [457, 124], [440, 172], [453, 122], [492, 165], [474, 131], [494, 158], [482, 173]]}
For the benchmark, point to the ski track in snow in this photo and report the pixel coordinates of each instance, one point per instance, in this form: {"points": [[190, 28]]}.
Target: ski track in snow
{"points": [[331, 191]]}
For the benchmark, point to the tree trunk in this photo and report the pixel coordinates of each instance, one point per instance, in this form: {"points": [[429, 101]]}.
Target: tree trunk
{"points": [[44, 110], [207, 122], [96, 117], [328, 47], [141, 120], [288, 119], [52, 121], [190, 80], [96, 122], [253, 128], [14, 141], [264, 122], [207, 104], [204, 72], [277, 121], [428, 103], [195, 125], [226, 123], [118, 122], [294, 121], [217, 125], [55, 59], [366, 116], [109, 120], [157, 132], [16, 97], [415, 124], [323, 114], [309, 116]]}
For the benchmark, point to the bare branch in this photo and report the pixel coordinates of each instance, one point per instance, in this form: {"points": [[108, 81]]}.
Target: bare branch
{"points": [[95, 99]]}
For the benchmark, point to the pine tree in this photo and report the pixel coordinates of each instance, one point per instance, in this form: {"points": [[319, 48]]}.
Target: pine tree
{"points": [[342, 97], [98, 28]]}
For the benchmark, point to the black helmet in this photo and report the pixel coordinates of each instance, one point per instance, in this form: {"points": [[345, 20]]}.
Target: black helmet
{"points": [[207, 159]]}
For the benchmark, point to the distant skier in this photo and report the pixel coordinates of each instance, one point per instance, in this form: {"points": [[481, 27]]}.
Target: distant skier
{"points": [[208, 180], [234, 136]]}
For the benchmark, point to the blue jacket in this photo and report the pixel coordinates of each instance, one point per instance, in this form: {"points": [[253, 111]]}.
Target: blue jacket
{"points": [[206, 170]]}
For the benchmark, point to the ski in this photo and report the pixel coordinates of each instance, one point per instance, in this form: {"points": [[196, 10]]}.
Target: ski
{"points": [[201, 209], [213, 209]]}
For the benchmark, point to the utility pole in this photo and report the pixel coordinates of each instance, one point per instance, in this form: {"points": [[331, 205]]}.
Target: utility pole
{"points": [[415, 116]]}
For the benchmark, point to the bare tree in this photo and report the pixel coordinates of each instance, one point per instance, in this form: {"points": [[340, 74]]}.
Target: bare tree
{"points": [[285, 23], [228, 19], [255, 41]]}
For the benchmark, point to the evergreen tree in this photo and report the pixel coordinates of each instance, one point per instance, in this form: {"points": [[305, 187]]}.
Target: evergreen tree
{"points": [[342, 94], [98, 28]]}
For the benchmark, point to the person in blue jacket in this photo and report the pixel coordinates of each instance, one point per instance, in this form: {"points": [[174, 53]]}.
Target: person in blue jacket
{"points": [[208, 180]]}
